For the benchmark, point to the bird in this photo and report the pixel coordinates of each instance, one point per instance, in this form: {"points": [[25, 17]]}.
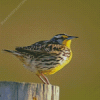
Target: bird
{"points": [[45, 57]]}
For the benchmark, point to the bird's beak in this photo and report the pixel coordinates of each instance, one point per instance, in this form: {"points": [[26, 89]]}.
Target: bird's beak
{"points": [[71, 37]]}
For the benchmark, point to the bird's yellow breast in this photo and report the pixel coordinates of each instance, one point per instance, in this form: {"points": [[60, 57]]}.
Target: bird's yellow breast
{"points": [[67, 43], [58, 67]]}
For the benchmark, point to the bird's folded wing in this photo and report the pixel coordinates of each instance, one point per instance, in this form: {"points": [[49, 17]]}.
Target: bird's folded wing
{"points": [[41, 48]]}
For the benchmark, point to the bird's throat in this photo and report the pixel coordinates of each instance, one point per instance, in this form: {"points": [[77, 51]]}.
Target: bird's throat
{"points": [[67, 43]]}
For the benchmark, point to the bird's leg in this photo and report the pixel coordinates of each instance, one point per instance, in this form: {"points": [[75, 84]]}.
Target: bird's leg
{"points": [[41, 79], [46, 79]]}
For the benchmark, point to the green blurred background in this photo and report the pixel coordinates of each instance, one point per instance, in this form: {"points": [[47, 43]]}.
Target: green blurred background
{"points": [[24, 22]]}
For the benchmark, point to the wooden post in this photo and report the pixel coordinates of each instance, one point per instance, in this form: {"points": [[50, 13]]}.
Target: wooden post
{"points": [[28, 91]]}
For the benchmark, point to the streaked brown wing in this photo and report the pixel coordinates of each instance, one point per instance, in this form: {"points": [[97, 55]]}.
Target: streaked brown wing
{"points": [[34, 47], [40, 47]]}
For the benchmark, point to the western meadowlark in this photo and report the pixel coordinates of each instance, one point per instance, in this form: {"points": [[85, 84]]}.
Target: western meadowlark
{"points": [[46, 57]]}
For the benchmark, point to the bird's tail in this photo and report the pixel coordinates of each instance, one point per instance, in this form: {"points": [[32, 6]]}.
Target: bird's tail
{"points": [[13, 52]]}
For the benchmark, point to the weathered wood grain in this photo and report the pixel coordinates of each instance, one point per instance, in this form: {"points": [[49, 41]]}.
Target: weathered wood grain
{"points": [[28, 91]]}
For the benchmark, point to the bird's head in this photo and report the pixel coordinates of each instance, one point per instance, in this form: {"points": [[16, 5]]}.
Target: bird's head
{"points": [[63, 39]]}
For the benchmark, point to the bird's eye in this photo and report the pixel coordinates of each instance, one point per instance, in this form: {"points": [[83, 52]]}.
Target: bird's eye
{"points": [[62, 38]]}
